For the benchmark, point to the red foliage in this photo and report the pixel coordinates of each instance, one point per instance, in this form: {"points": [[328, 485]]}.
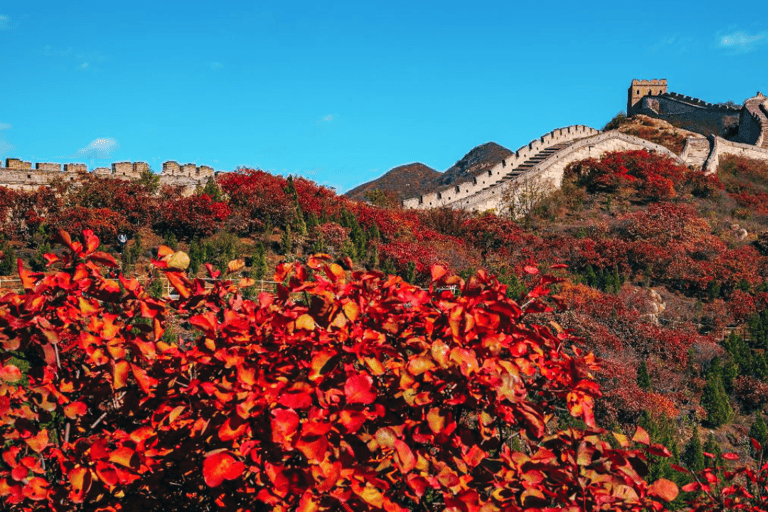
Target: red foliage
{"points": [[651, 175], [258, 197], [22, 212], [129, 197], [193, 216], [370, 394], [107, 224]]}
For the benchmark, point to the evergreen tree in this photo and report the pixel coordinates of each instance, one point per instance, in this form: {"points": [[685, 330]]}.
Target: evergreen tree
{"points": [[196, 256], [38, 263], [759, 432], [409, 276], [643, 378], [8, 261], [260, 262], [715, 402], [388, 268], [212, 190], [171, 241], [713, 447], [693, 456], [286, 241]]}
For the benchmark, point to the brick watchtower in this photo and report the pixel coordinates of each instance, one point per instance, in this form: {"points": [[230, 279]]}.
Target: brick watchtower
{"points": [[641, 88]]}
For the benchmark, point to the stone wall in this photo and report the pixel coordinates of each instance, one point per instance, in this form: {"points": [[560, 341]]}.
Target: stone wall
{"points": [[492, 177], [689, 113], [18, 174], [722, 147], [551, 170]]}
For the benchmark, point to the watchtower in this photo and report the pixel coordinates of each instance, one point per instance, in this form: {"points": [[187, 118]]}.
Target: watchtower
{"points": [[642, 88]]}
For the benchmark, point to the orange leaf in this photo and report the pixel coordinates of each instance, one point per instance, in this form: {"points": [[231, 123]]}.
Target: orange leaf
{"points": [[319, 363], [664, 489], [436, 421], [120, 374], [80, 481], [36, 489], [10, 373], [437, 271], [641, 436], [125, 457], [221, 466], [75, 409], [164, 251], [352, 310], [178, 283], [38, 442]]}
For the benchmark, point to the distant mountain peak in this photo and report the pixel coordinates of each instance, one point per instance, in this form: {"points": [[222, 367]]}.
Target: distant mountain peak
{"points": [[415, 179]]}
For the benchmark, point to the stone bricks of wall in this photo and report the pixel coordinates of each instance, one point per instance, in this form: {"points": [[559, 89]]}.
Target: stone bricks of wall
{"points": [[170, 168], [699, 119], [47, 166], [15, 163], [78, 168]]}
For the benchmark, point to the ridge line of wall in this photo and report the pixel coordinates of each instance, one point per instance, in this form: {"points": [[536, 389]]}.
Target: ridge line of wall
{"points": [[461, 190]]}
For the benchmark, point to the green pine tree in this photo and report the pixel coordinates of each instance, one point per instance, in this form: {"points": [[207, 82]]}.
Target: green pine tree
{"points": [[713, 447], [759, 432], [260, 262], [715, 402], [8, 260], [286, 240], [643, 378], [693, 456]]}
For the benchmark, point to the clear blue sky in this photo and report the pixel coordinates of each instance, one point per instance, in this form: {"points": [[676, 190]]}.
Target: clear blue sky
{"points": [[341, 92]]}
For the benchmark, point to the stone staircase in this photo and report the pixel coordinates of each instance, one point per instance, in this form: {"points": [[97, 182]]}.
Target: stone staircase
{"points": [[698, 150], [517, 171]]}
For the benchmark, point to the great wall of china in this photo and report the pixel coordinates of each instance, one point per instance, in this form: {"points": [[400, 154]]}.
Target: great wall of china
{"points": [[20, 175], [543, 160]]}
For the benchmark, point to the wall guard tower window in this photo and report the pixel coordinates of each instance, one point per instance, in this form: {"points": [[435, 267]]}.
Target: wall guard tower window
{"points": [[458, 189], [439, 195]]}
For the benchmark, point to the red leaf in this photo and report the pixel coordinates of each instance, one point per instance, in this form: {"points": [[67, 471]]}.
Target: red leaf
{"points": [[285, 422], [359, 389], [530, 269], [221, 466], [730, 456]]}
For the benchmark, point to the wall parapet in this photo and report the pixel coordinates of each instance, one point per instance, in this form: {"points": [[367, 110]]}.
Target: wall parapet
{"points": [[20, 174], [721, 146], [463, 189], [696, 102]]}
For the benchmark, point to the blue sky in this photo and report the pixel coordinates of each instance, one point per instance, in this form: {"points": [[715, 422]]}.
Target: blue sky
{"points": [[341, 92]]}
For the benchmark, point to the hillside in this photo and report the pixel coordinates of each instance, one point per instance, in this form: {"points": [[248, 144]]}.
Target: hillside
{"points": [[403, 181], [415, 179], [661, 272]]}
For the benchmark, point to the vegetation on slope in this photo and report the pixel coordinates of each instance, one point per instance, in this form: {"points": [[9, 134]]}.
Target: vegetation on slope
{"points": [[665, 276]]}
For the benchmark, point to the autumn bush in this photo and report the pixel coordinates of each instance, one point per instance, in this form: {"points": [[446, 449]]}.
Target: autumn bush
{"points": [[366, 393]]}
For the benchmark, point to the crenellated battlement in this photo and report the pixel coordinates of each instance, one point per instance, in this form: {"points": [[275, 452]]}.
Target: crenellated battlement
{"points": [[20, 174]]}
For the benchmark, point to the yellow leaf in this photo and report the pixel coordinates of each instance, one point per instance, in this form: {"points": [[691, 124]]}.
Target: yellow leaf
{"points": [[351, 309], [235, 265], [305, 322]]}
